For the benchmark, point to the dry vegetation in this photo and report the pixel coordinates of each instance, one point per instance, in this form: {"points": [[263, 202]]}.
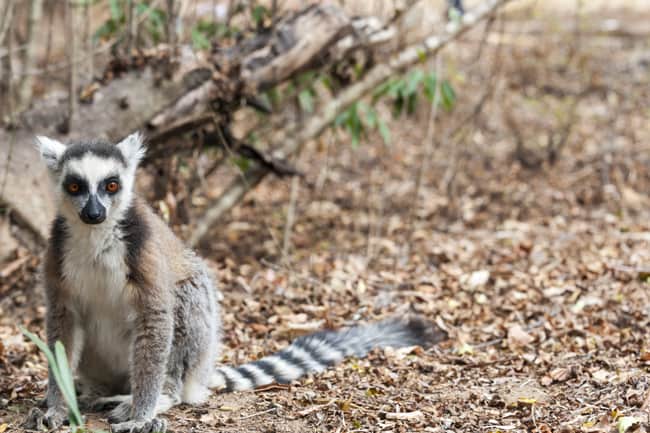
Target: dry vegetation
{"points": [[528, 240]]}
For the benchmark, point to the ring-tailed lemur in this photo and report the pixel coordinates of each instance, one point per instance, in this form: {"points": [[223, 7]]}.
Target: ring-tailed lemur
{"points": [[138, 312]]}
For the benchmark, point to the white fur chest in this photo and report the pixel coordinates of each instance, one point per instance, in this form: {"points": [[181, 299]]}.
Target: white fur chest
{"points": [[96, 275], [95, 271]]}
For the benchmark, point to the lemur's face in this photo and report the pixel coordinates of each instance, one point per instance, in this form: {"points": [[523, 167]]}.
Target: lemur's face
{"points": [[93, 180]]}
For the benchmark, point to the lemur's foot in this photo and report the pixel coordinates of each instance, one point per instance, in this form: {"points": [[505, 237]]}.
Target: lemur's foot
{"points": [[54, 418], [121, 413], [156, 425]]}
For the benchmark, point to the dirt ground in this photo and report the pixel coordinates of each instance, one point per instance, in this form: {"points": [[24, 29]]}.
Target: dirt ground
{"points": [[538, 266]]}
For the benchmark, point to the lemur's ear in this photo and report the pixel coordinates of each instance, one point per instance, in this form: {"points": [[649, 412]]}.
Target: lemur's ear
{"points": [[51, 151], [133, 149]]}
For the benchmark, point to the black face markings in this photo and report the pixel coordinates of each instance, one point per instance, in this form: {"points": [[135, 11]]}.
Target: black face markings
{"points": [[75, 185], [135, 232], [99, 148]]}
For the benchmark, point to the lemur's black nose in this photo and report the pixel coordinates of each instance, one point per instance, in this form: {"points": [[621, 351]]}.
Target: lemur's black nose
{"points": [[93, 212]]}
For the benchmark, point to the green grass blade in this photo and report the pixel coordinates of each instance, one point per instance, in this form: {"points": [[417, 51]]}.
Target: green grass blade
{"points": [[46, 350], [68, 381], [63, 379]]}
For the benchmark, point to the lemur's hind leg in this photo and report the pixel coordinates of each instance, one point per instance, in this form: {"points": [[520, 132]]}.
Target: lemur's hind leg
{"points": [[199, 329]]}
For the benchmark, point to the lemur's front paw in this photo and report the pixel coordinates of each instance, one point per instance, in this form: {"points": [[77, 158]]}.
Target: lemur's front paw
{"points": [[156, 425], [121, 413], [54, 418]]}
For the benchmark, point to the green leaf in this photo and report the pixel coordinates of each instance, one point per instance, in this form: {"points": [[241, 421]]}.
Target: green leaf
{"points": [[397, 88], [430, 83], [341, 119], [55, 369], [327, 82], [306, 79], [306, 100], [411, 103], [455, 15], [354, 125], [41, 345], [275, 97], [106, 30], [199, 40], [116, 10], [156, 23], [384, 131], [358, 70], [398, 106], [266, 101], [242, 163], [290, 90], [382, 90], [370, 115], [448, 95], [259, 12], [414, 80], [67, 383]]}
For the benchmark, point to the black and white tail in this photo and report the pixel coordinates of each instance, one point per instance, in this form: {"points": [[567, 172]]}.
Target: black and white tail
{"points": [[315, 352]]}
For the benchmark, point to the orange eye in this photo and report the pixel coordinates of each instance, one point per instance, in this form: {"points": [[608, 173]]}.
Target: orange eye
{"points": [[73, 187], [112, 187]]}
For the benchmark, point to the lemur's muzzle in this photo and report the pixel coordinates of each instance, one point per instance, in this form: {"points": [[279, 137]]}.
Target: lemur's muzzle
{"points": [[93, 212]]}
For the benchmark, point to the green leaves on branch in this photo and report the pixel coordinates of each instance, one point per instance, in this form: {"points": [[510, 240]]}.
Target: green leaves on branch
{"points": [[204, 31], [259, 13], [154, 22], [403, 94], [405, 91], [360, 118]]}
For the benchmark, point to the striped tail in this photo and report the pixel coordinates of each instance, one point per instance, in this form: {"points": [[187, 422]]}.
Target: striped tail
{"points": [[315, 352]]}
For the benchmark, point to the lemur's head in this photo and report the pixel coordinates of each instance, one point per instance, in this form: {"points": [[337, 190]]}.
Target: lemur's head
{"points": [[93, 179]]}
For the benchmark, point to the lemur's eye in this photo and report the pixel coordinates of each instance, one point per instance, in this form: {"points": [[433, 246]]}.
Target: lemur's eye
{"points": [[73, 188], [112, 187]]}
